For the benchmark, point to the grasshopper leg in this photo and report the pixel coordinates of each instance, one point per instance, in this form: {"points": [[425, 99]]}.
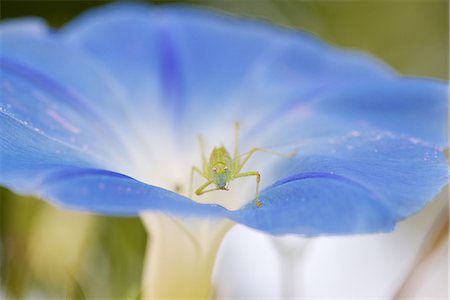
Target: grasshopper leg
{"points": [[258, 179], [194, 169], [200, 190], [236, 140], [201, 144], [253, 150]]}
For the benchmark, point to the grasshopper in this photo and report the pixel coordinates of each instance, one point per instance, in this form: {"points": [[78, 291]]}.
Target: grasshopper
{"points": [[221, 168]]}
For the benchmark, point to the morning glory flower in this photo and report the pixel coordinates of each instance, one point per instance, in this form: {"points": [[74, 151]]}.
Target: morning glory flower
{"points": [[103, 116]]}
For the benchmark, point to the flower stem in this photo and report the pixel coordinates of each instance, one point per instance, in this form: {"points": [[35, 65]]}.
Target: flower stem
{"points": [[180, 256]]}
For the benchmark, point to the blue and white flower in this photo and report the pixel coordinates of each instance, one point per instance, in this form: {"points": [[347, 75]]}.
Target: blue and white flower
{"points": [[102, 116]]}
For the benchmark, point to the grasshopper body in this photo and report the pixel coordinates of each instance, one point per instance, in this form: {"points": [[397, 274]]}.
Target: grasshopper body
{"points": [[221, 168]]}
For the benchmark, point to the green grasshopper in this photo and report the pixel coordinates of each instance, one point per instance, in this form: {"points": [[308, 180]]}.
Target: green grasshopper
{"points": [[221, 169]]}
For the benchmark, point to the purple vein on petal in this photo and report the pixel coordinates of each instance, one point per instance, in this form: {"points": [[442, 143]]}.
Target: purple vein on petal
{"points": [[281, 112], [46, 83], [170, 74], [51, 86], [62, 175], [323, 175]]}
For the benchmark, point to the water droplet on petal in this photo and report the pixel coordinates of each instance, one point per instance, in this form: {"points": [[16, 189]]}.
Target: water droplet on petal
{"points": [[355, 133], [414, 140]]}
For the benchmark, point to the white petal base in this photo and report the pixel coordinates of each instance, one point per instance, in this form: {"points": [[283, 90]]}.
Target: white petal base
{"points": [[180, 256]]}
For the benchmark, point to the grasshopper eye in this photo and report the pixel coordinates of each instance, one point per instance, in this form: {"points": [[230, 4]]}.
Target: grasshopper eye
{"points": [[214, 169]]}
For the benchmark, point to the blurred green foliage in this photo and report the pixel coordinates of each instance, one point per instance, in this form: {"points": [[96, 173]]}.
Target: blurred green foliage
{"points": [[59, 254], [52, 253]]}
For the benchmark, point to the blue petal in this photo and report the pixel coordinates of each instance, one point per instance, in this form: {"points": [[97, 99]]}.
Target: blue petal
{"points": [[35, 164], [356, 185], [410, 106], [28, 155], [59, 142], [207, 63], [129, 43], [31, 26], [63, 93], [111, 193], [407, 106]]}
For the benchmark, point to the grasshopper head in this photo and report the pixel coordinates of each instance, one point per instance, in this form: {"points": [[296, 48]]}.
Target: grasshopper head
{"points": [[220, 175]]}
